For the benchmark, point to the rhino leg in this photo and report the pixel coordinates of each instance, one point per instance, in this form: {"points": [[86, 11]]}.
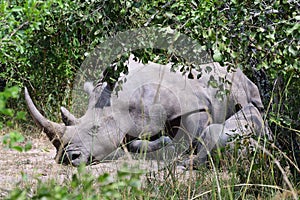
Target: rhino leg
{"points": [[146, 146], [248, 121], [193, 125]]}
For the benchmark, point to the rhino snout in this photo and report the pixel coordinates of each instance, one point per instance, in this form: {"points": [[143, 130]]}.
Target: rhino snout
{"points": [[72, 157]]}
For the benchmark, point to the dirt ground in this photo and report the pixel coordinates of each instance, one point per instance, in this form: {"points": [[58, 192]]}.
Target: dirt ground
{"points": [[18, 169], [25, 169]]}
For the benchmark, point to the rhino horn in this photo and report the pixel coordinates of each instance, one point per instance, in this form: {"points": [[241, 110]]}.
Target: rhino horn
{"points": [[68, 118], [53, 130]]}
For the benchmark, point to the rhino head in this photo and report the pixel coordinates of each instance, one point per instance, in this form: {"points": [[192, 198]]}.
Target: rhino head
{"points": [[79, 141]]}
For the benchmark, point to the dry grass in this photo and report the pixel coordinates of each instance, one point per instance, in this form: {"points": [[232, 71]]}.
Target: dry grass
{"points": [[23, 170]]}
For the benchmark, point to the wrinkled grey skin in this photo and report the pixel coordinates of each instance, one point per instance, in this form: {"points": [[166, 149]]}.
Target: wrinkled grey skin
{"points": [[100, 97], [152, 97]]}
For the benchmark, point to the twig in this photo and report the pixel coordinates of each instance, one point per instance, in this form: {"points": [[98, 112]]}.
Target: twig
{"points": [[284, 155], [14, 32], [288, 128]]}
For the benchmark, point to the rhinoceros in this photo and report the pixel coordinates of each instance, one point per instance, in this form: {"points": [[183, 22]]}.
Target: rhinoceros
{"points": [[155, 100]]}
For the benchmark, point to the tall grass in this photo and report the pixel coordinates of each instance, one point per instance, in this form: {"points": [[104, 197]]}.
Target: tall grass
{"points": [[227, 175]]}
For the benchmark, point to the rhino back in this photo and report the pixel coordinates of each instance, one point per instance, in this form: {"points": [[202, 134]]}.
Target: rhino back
{"points": [[227, 91], [152, 94]]}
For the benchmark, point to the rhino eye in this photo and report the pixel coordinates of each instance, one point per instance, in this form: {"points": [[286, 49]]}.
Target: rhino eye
{"points": [[94, 130]]}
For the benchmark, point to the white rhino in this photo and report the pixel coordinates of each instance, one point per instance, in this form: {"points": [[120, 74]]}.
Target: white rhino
{"points": [[157, 103]]}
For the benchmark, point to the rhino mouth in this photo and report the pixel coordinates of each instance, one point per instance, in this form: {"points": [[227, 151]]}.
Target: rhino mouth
{"points": [[76, 158], [70, 157]]}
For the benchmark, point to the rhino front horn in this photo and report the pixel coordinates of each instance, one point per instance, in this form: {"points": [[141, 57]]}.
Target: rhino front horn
{"points": [[54, 131]]}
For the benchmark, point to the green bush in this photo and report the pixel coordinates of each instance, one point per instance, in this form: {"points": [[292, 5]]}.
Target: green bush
{"points": [[13, 139], [83, 185], [43, 44]]}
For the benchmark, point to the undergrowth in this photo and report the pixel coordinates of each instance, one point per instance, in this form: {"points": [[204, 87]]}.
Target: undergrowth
{"points": [[82, 185], [225, 176]]}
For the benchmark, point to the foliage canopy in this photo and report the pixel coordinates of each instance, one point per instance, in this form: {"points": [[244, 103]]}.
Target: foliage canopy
{"points": [[43, 44]]}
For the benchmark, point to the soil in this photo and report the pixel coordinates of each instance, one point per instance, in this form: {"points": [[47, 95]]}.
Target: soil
{"points": [[20, 169]]}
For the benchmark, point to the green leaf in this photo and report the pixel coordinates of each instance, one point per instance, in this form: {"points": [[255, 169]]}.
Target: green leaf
{"points": [[278, 61], [169, 14], [7, 111], [16, 137], [17, 9], [28, 146], [292, 51], [208, 69], [213, 82], [296, 27], [12, 92], [17, 148], [217, 56], [21, 115]]}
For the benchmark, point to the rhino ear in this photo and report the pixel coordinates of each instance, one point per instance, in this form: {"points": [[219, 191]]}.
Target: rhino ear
{"points": [[67, 117], [88, 87]]}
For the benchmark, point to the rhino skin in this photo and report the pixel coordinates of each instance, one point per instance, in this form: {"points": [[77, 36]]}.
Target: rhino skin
{"points": [[99, 97], [246, 123], [153, 100]]}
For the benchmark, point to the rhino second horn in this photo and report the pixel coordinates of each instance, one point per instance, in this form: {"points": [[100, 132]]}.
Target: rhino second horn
{"points": [[53, 130], [68, 118]]}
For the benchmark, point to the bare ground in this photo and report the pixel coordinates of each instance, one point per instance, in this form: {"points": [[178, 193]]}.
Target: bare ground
{"points": [[18, 169]]}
